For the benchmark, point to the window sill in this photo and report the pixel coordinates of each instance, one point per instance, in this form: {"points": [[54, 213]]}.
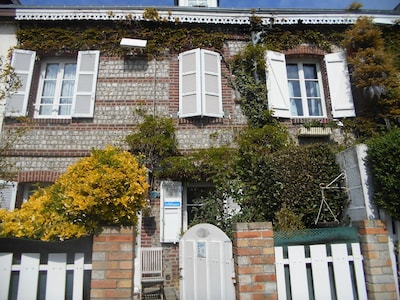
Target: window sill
{"points": [[315, 131]]}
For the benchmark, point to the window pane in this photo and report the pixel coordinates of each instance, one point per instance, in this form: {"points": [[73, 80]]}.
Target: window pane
{"points": [[296, 107], [294, 88], [67, 88], [292, 71], [310, 71], [65, 106], [45, 110], [69, 71], [51, 71], [312, 88], [49, 88], [314, 107]]}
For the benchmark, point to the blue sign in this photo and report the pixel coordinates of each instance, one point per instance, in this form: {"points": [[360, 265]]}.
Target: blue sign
{"points": [[172, 204]]}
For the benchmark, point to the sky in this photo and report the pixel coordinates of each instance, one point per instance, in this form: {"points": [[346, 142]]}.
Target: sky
{"points": [[311, 4]]}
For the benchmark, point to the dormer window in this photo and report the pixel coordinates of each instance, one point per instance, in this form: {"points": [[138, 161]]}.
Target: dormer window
{"points": [[198, 3]]}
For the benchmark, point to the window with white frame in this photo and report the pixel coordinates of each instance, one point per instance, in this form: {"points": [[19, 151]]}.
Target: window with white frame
{"points": [[66, 86], [56, 89], [295, 88], [200, 90], [198, 3], [305, 86]]}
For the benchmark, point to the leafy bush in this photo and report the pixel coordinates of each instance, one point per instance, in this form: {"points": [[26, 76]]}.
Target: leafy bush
{"points": [[291, 178], [384, 162], [106, 189], [154, 139]]}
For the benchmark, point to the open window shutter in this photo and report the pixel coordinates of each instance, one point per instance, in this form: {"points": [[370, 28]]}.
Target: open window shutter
{"points": [[85, 85], [277, 85], [23, 62], [171, 211], [211, 89], [339, 85], [189, 84], [8, 193]]}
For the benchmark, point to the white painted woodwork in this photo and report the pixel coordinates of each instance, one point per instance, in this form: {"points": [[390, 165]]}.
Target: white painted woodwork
{"points": [[206, 264]]}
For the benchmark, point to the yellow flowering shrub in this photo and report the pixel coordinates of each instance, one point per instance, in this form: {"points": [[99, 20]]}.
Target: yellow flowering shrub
{"points": [[106, 189]]}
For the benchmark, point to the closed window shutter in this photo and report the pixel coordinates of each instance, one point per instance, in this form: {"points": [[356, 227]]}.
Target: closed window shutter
{"points": [[8, 193], [277, 85], [189, 84], [171, 211], [339, 85], [211, 84], [85, 85], [23, 62]]}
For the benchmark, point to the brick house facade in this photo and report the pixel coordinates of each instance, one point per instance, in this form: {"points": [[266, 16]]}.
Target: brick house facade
{"points": [[123, 84]]}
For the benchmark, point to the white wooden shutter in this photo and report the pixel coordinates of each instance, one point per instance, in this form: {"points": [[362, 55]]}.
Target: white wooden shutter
{"points": [[8, 193], [23, 62], [85, 85], [189, 84], [277, 84], [171, 211], [339, 85], [211, 84]]}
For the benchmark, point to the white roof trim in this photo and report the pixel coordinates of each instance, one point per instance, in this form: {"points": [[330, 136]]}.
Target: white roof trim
{"points": [[207, 17]]}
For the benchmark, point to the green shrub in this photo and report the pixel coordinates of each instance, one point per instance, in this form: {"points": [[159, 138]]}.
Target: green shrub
{"points": [[384, 162]]}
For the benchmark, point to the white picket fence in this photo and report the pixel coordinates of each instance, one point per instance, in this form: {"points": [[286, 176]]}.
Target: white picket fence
{"points": [[28, 275], [320, 272]]}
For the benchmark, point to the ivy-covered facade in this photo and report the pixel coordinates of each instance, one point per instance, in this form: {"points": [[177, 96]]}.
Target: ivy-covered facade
{"points": [[212, 72]]}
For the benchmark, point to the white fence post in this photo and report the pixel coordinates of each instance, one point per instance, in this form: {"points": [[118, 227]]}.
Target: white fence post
{"points": [[321, 264], [5, 274], [56, 275], [28, 276]]}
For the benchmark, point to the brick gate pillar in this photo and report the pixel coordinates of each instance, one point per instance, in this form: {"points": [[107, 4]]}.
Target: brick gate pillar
{"points": [[113, 264], [254, 257], [379, 277]]}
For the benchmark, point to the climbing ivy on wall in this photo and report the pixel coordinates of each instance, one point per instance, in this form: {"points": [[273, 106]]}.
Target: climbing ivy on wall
{"points": [[65, 37], [374, 66]]}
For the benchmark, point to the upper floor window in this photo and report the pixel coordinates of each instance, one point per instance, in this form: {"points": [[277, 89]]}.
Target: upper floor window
{"points": [[57, 89], [66, 86], [305, 86], [200, 91], [198, 3], [295, 87]]}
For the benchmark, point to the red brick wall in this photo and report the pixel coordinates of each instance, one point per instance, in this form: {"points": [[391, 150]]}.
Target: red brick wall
{"points": [[113, 264], [378, 270], [254, 256]]}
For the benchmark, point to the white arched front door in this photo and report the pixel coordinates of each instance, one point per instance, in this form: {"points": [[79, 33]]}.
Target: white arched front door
{"points": [[206, 264]]}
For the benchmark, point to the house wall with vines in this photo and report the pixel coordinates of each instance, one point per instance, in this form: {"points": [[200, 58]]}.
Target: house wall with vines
{"points": [[149, 81]]}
